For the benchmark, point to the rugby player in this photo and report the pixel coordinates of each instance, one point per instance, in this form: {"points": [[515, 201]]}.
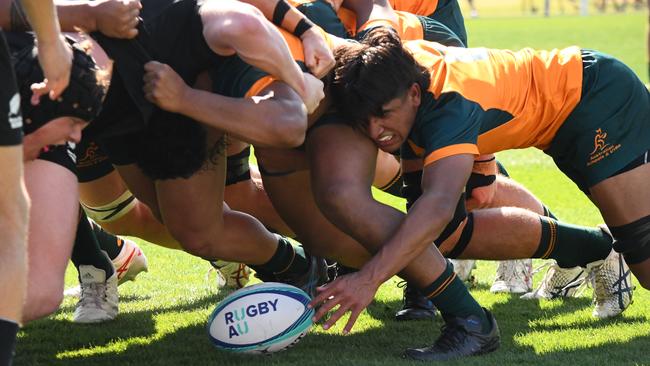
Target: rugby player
{"points": [[442, 125], [55, 58]]}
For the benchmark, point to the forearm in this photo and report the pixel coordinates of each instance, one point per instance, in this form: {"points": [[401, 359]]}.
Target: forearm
{"points": [[259, 121], [287, 22], [43, 19], [75, 15], [272, 56], [245, 32], [72, 15], [420, 228]]}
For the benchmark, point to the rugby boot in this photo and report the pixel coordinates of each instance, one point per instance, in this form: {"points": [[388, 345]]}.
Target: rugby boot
{"points": [[559, 282], [513, 276], [231, 274], [416, 306], [99, 300], [130, 262], [316, 275], [460, 337], [611, 280]]}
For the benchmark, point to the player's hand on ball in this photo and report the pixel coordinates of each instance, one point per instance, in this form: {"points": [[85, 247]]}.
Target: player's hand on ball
{"points": [[352, 292], [164, 87]]}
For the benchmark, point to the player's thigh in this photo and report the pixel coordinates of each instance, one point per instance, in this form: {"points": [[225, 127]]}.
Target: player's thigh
{"points": [[339, 156], [53, 221], [623, 198]]}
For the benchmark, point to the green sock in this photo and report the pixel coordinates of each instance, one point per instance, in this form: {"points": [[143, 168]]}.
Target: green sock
{"points": [[548, 213], [449, 294], [86, 250], [572, 245], [109, 243], [287, 260]]}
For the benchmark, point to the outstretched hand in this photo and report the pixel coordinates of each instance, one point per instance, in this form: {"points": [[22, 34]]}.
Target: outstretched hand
{"points": [[352, 292]]}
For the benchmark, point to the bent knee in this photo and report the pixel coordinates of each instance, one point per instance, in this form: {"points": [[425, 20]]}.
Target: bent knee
{"points": [[41, 304]]}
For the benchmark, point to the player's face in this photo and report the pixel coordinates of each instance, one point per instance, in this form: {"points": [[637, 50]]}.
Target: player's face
{"points": [[56, 132], [391, 130]]}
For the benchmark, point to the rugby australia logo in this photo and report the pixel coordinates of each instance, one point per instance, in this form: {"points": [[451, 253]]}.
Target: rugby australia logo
{"points": [[237, 320], [15, 119], [601, 148]]}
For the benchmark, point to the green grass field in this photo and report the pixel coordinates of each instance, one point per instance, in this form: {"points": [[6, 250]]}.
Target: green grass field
{"points": [[162, 315]]}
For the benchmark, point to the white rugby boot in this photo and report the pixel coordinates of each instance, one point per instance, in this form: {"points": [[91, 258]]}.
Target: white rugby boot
{"points": [[559, 282], [99, 299], [463, 269], [611, 280], [514, 276], [128, 264]]}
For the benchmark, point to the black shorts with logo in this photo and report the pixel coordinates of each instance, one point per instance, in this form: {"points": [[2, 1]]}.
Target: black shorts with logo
{"points": [[11, 122]]}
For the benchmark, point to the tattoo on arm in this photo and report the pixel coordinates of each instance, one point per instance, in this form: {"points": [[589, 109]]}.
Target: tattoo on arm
{"points": [[17, 17]]}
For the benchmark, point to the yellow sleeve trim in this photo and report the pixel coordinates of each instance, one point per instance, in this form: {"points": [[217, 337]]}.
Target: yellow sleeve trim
{"points": [[449, 151]]}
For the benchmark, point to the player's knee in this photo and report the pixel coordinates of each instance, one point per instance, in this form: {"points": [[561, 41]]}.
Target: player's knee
{"points": [[335, 199], [197, 241], [633, 240], [43, 302]]}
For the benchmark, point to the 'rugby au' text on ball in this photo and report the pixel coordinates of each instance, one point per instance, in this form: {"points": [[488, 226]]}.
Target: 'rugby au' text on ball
{"points": [[235, 330]]}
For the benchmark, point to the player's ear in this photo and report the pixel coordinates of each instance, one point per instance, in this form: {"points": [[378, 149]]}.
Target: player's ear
{"points": [[414, 94]]}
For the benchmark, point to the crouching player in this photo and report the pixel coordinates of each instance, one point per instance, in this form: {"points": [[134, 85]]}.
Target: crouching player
{"points": [[448, 105]]}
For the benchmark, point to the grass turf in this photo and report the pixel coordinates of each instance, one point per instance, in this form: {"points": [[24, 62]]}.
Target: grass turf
{"points": [[162, 315]]}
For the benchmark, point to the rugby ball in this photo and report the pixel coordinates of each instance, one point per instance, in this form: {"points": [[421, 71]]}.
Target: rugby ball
{"points": [[263, 318]]}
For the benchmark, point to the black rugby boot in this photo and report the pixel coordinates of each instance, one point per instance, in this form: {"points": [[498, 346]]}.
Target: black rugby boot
{"points": [[416, 306], [460, 337]]}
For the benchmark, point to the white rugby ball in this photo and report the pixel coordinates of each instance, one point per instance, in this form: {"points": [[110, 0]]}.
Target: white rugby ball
{"points": [[263, 318]]}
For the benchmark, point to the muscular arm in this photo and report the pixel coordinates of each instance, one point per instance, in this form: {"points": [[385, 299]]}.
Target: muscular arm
{"points": [[318, 56], [231, 27], [114, 18], [442, 184], [274, 118]]}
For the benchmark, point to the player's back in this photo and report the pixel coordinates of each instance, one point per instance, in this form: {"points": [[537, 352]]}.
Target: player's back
{"points": [[534, 90]]}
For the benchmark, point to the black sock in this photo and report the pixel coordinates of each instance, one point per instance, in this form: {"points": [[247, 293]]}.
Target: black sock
{"points": [[287, 260], [572, 245], [8, 331], [86, 250], [109, 243], [451, 297]]}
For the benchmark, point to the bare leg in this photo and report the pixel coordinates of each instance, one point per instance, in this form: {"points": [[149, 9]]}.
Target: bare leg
{"points": [[623, 199], [250, 197], [50, 245], [138, 222], [292, 197], [343, 193], [14, 207]]}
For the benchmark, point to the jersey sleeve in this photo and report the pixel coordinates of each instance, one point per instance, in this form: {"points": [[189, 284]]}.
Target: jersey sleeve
{"points": [[446, 126]]}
